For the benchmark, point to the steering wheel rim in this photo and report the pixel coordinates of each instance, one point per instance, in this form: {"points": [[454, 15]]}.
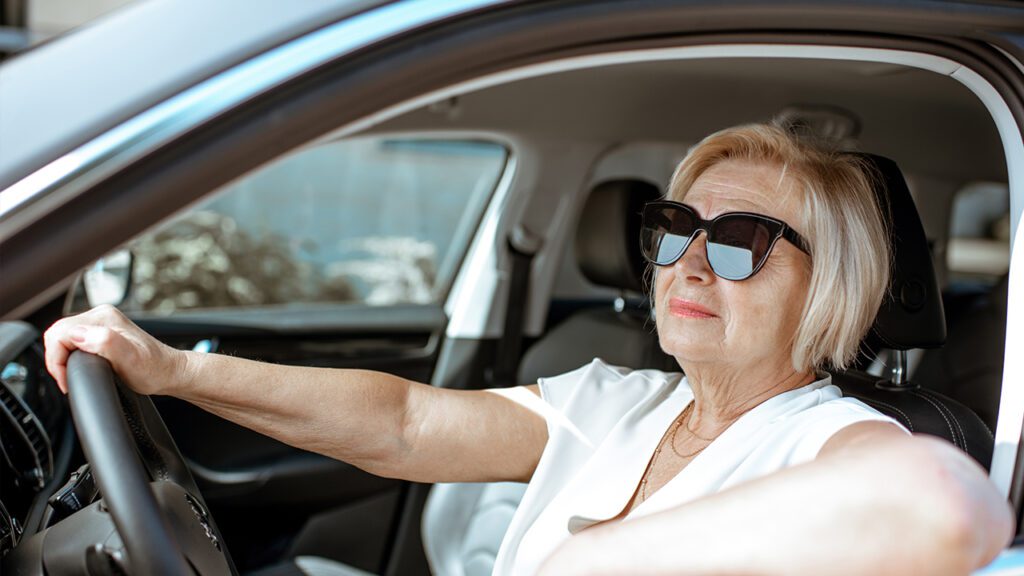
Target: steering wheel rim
{"points": [[152, 533]]}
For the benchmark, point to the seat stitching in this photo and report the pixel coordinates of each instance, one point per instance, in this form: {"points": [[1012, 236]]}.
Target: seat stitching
{"points": [[938, 406], [984, 426], [952, 432], [910, 425], [948, 411], [946, 415]]}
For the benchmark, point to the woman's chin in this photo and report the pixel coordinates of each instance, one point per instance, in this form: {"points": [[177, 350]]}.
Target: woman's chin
{"points": [[693, 352]]}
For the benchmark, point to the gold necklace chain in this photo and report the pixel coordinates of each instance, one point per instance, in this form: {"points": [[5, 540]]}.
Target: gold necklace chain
{"points": [[654, 458], [686, 423], [671, 437], [683, 419]]}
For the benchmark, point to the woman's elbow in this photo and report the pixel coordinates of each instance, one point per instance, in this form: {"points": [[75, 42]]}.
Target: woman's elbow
{"points": [[968, 521]]}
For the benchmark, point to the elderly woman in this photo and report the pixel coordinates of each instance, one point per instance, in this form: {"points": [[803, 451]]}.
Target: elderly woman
{"points": [[769, 264]]}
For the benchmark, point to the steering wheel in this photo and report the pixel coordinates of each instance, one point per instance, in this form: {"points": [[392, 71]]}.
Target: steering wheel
{"points": [[147, 489]]}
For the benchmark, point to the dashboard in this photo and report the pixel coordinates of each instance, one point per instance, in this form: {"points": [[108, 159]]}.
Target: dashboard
{"points": [[36, 435]]}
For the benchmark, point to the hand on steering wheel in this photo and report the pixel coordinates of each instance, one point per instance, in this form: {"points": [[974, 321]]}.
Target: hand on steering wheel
{"points": [[145, 364]]}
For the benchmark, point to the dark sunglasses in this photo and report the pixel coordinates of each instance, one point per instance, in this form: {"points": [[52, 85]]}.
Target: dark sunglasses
{"points": [[738, 243]]}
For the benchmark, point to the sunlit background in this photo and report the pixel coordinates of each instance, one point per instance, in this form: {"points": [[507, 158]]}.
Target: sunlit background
{"points": [[27, 22]]}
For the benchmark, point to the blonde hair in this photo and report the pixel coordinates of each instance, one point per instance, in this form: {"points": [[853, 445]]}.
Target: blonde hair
{"points": [[842, 222]]}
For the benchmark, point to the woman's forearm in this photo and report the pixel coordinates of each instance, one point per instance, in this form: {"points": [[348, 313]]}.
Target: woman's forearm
{"points": [[914, 506], [352, 415], [382, 423]]}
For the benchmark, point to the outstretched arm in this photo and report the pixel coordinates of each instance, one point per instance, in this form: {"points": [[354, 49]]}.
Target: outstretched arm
{"points": [[382, 423], [874, 501]]}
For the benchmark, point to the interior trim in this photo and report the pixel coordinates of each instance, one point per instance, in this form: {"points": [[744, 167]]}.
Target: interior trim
{"points": [[1011, 399], [476, 291]]}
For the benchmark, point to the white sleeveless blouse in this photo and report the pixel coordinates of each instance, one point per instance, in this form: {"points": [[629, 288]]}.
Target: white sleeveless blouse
{"points": [[604, 423]]}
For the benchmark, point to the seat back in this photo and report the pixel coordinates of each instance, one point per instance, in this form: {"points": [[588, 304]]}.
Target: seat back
{"points": [[912, 316], [608, 254]]}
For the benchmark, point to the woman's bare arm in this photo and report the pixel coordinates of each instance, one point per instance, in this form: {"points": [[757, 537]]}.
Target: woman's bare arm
{"points": [[875, 501], [381, 423]]}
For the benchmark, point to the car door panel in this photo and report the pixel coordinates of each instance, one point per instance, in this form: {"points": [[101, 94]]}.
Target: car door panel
{"points": [[233, 463], [270, 497]]}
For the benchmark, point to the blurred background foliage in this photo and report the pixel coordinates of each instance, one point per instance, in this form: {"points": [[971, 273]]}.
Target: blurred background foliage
{"points": [[205, 260]]}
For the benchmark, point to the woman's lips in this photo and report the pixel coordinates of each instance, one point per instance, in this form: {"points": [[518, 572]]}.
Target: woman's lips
{"points": [[687, 309]]}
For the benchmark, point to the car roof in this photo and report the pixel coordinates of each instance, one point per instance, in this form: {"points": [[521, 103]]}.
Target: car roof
{"points": [[903, 112], [62, 93]]}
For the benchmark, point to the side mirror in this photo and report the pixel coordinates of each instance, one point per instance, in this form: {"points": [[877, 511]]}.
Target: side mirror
{"points": [[109, 279]]}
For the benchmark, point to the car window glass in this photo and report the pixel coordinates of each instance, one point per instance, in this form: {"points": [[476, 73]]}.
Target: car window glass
{"points": [[372, 221], [979, 243]]}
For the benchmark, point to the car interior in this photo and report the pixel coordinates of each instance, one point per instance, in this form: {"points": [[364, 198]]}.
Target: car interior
{"points": [[586, 146]]}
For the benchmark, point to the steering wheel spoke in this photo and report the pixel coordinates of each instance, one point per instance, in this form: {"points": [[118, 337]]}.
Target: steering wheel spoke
{"points": [[192, 526]]}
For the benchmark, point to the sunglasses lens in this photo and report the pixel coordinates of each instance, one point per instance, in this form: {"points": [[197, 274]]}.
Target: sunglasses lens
{"points": [[665, 232], [738, 246]]}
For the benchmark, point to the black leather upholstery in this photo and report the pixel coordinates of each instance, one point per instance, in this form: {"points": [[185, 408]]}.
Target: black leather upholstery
{"points": [[922, 411], [912, 317], [608, 234]]}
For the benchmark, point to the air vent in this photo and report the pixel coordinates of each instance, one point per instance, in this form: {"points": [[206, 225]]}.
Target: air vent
{"points": [[23, 441]]}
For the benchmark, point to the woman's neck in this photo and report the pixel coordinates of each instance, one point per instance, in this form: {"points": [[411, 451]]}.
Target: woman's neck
{"points": [[721, 394]]}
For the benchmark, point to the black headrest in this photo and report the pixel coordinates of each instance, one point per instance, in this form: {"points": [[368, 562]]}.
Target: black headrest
{"points": [[911, 315], [608, 235]]}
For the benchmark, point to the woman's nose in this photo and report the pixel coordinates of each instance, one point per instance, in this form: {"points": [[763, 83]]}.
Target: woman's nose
{"points": [[693, 264]]}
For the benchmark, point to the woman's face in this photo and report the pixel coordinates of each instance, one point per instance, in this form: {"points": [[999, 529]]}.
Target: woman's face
{"points": [[705, 319]]}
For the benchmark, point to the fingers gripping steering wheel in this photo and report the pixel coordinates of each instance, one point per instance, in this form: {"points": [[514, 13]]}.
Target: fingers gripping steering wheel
{"points": [[147, 488]]}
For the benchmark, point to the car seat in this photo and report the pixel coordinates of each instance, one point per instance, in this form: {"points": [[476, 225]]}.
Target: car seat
{"points": [[607, 248], [912, 316]]}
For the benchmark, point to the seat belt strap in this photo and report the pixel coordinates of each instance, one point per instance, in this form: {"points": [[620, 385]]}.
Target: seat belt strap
{"points": [[523, 245]]}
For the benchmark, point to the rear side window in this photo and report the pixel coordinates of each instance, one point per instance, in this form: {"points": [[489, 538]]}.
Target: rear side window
{"points": [[371, 221], [979, 244]]}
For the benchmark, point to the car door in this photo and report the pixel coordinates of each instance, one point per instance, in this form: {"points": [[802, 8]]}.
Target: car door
{"points": [[115, 196]]}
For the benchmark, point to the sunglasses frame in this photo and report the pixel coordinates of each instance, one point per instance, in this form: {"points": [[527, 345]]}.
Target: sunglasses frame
{"points": [[701, 225]]}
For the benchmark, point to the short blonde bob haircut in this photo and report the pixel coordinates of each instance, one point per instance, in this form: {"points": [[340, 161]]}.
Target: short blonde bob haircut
{"points": [[842, 222]]}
